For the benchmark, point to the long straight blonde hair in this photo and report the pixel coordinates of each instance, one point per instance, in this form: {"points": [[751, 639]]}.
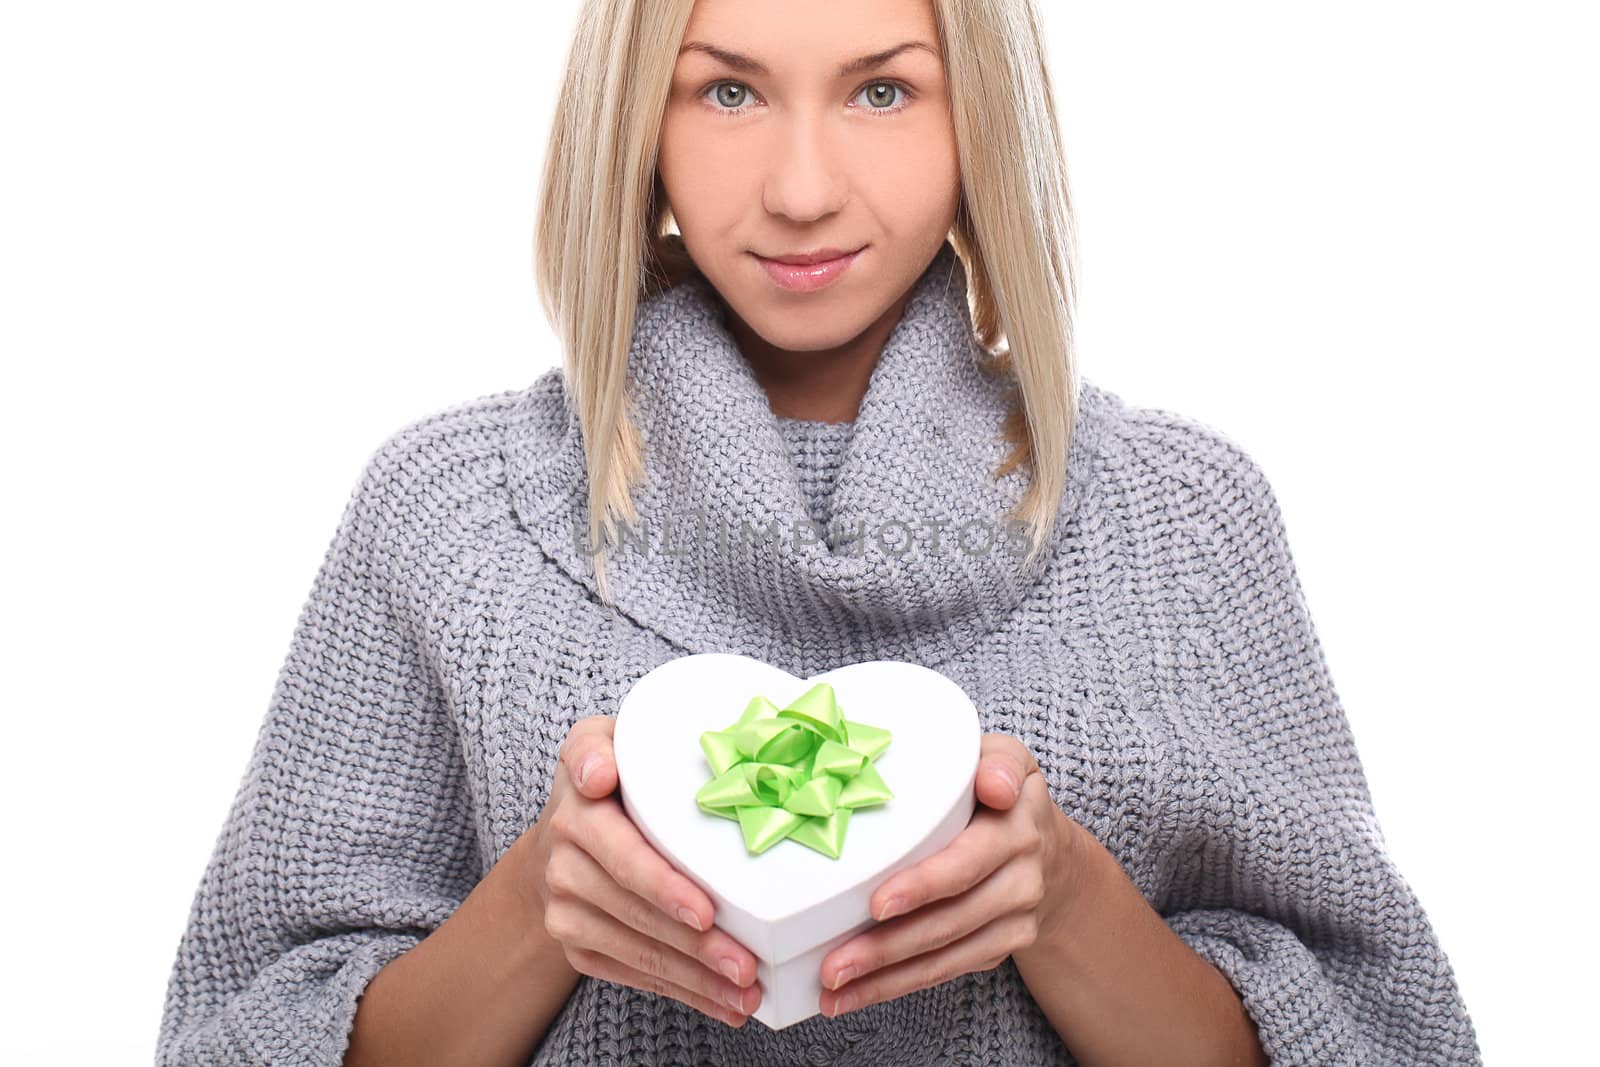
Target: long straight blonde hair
{"points": [[603, 238]]}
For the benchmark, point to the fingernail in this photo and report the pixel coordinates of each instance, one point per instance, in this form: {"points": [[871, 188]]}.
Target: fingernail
{"points": [[587, 767], [844, 976], [1011, 779], [894, 907], [734, 998], [845, 1003], [689, 918], [730, 969]]}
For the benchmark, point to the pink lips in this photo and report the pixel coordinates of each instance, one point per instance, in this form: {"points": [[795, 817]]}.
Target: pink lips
{"points": [[808, 277]]}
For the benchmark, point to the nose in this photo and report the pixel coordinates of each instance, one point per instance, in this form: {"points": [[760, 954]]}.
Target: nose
{"points": [[804, 181]]}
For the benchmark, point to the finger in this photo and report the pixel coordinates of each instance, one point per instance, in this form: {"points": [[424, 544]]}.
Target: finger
{"points": [[990, 839], [604, 967], [1015, 887], [581, 877], [579, 924], [633, 863], [982, 950], [1004, 763], [587, 756]]}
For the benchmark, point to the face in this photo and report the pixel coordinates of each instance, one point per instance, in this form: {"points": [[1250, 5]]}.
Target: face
{"points": [[771, 148]]}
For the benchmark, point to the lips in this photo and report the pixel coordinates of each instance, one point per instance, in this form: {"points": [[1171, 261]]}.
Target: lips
{"points": [[806, 259], [820, 268]]}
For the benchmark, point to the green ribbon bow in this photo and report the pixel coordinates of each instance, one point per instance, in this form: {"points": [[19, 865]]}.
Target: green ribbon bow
{"points": [[797, 772]]}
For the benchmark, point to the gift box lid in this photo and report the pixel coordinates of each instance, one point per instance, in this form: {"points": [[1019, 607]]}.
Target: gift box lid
{"points": [[789, 898]]}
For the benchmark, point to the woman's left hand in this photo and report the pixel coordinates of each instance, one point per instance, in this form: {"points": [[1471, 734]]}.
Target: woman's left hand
{"points": [[1006, 882]]}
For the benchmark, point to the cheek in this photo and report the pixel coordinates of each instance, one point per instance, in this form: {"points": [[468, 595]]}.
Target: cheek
{"points": [[911, 177], [704, 175]]}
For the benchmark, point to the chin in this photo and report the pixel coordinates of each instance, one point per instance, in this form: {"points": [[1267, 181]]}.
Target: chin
{"points": [[803, 328]]}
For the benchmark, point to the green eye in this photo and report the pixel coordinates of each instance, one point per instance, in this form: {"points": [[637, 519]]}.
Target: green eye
{"points": [[728, 96], [892, 87], [739, 92]]}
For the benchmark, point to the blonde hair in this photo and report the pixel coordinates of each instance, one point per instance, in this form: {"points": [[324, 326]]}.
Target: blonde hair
{"points": [[603, 241]]}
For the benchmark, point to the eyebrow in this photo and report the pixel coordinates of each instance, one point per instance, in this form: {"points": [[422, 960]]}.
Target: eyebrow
{"points": [[747, 65]]}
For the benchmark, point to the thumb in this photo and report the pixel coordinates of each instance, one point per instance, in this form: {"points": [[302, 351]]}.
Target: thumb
{"points": [[590, 760], [1004, 764], [996, 786], [596, 775]]}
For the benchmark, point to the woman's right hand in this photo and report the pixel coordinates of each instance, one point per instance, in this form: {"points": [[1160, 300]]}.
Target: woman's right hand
{"points": [[618, 909]]}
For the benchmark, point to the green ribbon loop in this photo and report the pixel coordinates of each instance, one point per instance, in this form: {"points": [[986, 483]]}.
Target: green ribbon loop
{"points": [[795, 772]]}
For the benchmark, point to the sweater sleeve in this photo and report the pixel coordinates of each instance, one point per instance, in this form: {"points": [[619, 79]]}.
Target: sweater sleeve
{"points": [[1289, 889], [351, 836]]}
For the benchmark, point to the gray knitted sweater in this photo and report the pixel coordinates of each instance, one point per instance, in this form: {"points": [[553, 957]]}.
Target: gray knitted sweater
{"points": [[1160, 662]]}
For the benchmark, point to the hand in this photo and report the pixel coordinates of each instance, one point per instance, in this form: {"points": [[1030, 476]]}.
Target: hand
{"points": [[619, 910], [1002, 884]]}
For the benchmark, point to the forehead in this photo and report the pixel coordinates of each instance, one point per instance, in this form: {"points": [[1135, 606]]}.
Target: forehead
{"points": [[768, 36]]}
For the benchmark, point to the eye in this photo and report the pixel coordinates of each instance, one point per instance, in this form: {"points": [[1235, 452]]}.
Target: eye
{"points": [[894, 87], [729, 95]]}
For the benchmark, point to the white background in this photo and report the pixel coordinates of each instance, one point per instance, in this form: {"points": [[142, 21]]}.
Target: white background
{"points": [[241, 244]]}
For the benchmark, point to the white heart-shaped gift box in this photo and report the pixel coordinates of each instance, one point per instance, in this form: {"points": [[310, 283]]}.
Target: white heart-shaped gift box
{"points": [[791, 905]]}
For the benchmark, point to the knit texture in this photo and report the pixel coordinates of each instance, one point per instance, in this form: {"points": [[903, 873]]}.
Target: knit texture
{"points": [[1161, 663], [816, 449]]}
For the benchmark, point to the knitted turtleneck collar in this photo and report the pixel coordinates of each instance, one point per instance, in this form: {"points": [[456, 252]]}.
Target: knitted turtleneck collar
{"points": [[922, 563]]}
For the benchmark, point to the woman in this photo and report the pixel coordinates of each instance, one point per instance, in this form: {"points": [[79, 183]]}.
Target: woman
{"points": [[1175, 858]]}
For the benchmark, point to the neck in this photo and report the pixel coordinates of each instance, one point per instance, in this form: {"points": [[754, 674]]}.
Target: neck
{"points": [[825, 384]]}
